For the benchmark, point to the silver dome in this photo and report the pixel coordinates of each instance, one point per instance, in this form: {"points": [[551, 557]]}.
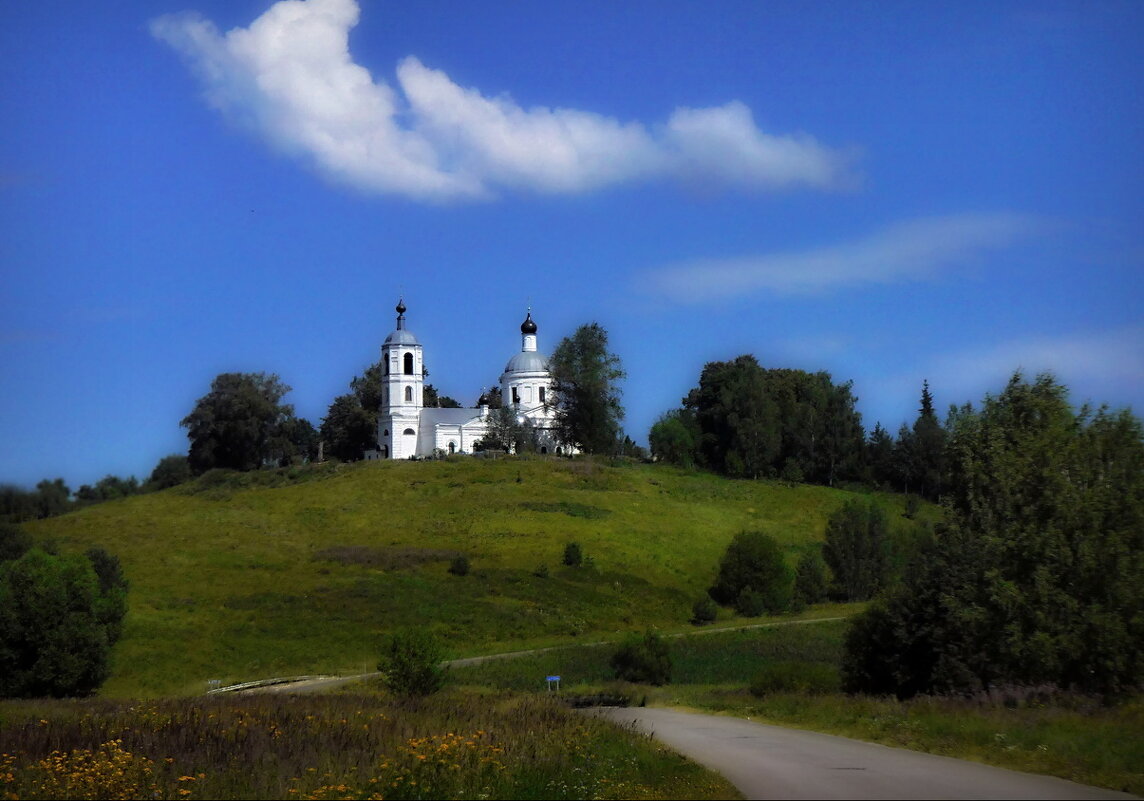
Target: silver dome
{"points": [[401, 337], [528, 361]]}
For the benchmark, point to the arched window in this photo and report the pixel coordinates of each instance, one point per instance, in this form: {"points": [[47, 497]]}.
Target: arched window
{"points": [[386, 360], [386, 434], [409, 394], [452, 447], [409, 364], [409, 432], [385, 450], [542, 394], [515, 395], [543, 449]]}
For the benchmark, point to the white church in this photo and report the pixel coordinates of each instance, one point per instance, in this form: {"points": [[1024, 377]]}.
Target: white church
{"points": [[407, 429]]}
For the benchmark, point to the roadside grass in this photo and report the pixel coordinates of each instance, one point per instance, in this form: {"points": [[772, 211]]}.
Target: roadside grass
{"points": [[240, 576], [360, 745], [1070, 737], [1074, 739]]}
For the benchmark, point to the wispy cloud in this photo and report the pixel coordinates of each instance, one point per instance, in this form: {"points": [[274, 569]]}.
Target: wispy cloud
{"points": [[1097, 365], [907, 251], [290, 77], [1104, 357]]}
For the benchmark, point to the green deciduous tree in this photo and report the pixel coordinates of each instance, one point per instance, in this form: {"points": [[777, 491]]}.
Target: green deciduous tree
{"points": [[239, 424], [14, 541], [53, 499], [737, 419], [108, 488], [856, 549], [348, 430], [585, 378], [753, 568], [751, 422], [505, 431], [675, 438], [810, 581], [169, 472], [18, 504], [59, 617], [1039, 577]]}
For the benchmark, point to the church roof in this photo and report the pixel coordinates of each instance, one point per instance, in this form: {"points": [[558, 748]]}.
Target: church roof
{"points": [[528, 361], [451, 417], [401, 336]]}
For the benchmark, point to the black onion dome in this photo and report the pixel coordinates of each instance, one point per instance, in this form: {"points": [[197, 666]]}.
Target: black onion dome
{"points": [[528, 326], [400, 308]]}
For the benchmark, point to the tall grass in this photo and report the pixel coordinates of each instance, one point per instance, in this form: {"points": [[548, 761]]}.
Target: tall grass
{"points": [[336, 746]]}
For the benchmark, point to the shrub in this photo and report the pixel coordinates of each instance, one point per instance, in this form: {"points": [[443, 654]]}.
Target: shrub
{"points": [[704, 611], [754, 561], [573, 555], [411, 664], [59, 617], [459, 566], [644, 660], [541, 571], [810, 678]]}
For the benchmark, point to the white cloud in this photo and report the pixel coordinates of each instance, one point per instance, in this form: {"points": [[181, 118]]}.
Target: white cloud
{"points": [[908, 251], [290, 77]]}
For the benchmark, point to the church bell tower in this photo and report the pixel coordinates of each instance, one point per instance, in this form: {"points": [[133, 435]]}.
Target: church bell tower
{"points": [[402, 392]]}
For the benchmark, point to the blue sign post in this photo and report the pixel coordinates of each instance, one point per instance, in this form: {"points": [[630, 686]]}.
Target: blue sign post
{"points": [[553, 683]]}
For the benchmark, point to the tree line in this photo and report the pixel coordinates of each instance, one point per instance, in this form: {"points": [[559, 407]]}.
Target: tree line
{"points": [[747, 421], [1034, 577]]}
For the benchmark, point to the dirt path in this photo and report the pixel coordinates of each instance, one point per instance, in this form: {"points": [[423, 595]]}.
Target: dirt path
{"points": [[319, 683], [775, 762]]}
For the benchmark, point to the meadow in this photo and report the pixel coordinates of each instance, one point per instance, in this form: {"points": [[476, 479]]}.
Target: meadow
{"points": [[794, 671], [239, 576], [356, 745]]}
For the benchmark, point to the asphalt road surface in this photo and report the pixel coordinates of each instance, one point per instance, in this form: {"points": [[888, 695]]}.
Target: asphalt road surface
{"points": [[775, 762]]}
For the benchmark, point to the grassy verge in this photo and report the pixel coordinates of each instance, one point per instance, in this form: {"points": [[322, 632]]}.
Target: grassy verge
{"points": [[354, 746], [1071, 738], [1086, 743]]}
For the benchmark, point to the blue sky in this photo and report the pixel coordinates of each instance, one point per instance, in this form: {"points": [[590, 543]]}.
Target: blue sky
{"points": [[889, 191]]}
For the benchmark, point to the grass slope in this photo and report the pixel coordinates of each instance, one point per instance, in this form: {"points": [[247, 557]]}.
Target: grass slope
{"points": [[235, 578]]}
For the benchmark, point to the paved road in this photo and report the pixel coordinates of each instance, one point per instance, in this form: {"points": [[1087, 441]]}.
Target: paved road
{"points": [[775, 762]]}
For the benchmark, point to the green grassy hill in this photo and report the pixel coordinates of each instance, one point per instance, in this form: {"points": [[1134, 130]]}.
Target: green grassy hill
{"points": [[235, 578]]}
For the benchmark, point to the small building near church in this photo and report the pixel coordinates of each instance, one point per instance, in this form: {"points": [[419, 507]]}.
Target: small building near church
{"points": [[407, 429]]}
